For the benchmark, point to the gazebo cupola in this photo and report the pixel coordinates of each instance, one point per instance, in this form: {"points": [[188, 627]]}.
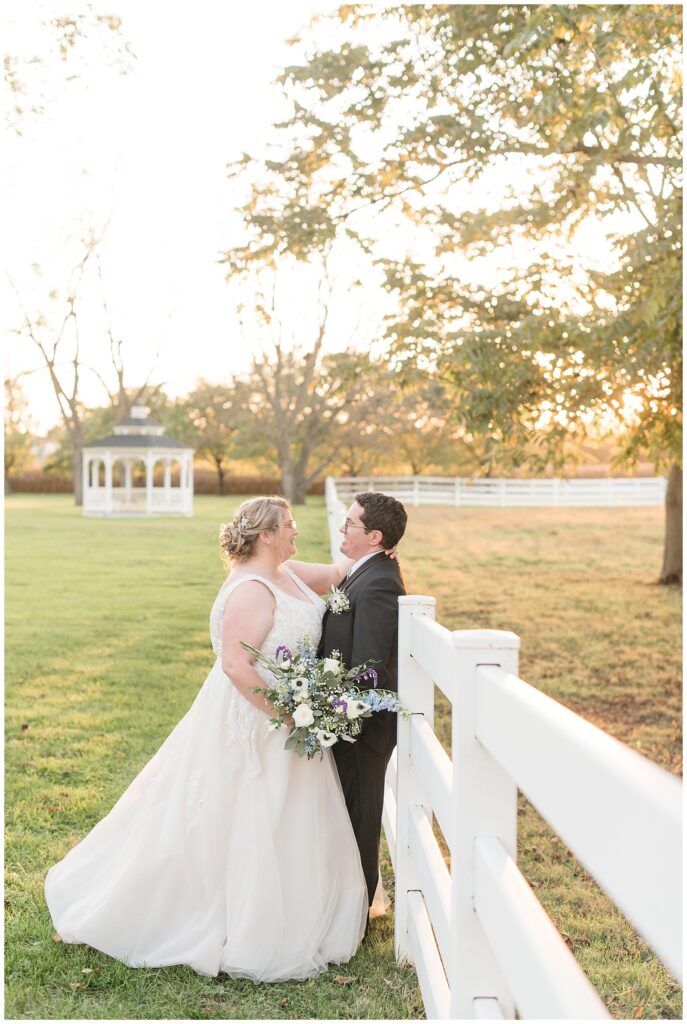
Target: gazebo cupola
{"points": [[119, 472]]}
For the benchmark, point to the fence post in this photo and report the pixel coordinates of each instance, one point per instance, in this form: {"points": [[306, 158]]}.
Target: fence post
{"points": [[456, 491], [335, 516], [485, 804], [416, 692]]}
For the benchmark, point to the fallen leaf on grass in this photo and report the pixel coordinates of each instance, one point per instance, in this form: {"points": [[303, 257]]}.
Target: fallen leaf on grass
{"points": [[639, 1012], [341, 980], [25, 726], [56, 937], [77, 984], [87, 970]]}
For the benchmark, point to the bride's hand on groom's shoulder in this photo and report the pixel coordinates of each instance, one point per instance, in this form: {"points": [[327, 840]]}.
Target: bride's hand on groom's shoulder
{"points": [[392, 552]]}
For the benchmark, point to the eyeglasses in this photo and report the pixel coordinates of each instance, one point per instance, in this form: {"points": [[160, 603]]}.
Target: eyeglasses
{"points": [[348, 525]]}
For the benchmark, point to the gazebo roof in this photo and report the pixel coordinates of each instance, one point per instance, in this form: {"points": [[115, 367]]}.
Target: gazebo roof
{"points": [[138, 441], [135, 421]]}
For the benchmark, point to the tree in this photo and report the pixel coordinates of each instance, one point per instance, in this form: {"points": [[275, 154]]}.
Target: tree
{"points": [[18, 430], [503, 132], [34, 78], [398, 421], [52, 340], [292, 400], [210, 418], [55, 335]]}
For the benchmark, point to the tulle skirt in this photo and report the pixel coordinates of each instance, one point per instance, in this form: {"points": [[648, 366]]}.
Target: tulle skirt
{"points": [[226, 853]]}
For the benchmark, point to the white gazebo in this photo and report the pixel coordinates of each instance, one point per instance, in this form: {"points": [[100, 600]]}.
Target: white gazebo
{"points": [[119, 471]]}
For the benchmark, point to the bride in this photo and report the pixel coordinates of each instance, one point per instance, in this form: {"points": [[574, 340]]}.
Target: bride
{"points": [[226, 852]]}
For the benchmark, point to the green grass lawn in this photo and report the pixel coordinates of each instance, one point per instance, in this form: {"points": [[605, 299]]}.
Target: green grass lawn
{"points": [[107, 645]]}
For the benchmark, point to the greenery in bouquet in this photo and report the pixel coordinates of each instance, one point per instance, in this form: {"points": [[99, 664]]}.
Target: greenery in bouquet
{"points": [[326, 701]]}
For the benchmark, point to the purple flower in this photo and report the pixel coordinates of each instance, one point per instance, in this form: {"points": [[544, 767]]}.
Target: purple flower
{"points": [[286, 651], [368, 674], [340, 703]]}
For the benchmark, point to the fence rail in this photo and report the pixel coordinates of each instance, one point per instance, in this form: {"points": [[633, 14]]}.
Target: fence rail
{"points": [[594, 492], [482, 944], [480, 922]]}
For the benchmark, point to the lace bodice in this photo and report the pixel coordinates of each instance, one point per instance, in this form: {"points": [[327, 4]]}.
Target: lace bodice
{"points": [[293, 616], [293, 619]]}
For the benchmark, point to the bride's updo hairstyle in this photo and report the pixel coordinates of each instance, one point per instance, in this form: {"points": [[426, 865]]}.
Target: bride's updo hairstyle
{"points": [[238, 538]]}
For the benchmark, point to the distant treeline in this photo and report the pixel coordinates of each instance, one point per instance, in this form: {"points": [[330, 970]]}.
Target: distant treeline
{"points": [[204, 482]]}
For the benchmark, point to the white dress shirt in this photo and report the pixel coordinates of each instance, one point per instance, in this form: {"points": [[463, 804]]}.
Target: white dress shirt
{"points": [[356, 565]]}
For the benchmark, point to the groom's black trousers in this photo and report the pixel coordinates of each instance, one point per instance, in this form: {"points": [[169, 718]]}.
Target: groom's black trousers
{"points": [[361, 770]]}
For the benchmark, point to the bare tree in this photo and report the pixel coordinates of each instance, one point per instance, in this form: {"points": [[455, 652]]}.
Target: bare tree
{"points": [[65, 365], [18, 429], [122, 398], [51, 344], [293, 397]]}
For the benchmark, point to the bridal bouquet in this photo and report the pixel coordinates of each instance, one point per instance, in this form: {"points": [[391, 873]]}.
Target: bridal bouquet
{"points": [[325, 701]]}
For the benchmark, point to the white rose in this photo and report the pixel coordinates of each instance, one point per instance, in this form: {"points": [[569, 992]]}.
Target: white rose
{"points": [[332, 665], [303, 716], [355, 709]]}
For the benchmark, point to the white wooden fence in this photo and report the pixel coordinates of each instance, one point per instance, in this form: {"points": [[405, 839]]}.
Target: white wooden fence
{"points": [[600, 492], [482, 944]]}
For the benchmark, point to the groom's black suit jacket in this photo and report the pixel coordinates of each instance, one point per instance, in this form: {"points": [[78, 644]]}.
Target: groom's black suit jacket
{"points": [[368, 631]]}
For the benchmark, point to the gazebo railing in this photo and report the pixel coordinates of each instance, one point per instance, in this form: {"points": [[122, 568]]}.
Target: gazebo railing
{"points": [[135, 499]]}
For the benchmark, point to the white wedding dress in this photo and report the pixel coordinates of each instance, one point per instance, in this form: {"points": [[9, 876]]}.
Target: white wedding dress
{"points": [[226, 852]]}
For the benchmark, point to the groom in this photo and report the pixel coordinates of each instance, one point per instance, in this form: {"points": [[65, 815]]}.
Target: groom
{"points": [[368, 631]]}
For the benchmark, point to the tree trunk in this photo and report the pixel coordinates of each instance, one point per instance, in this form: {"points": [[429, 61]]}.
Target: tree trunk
{"points": [[292, 485], [8, 483], [77, 473], [672, 551], [220, 475]]}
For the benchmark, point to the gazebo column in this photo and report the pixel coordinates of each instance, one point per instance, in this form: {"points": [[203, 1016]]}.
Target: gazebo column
{"points": [[188, 496], [108, 482], [84, 480], [150, 464], [168, 478], [94, 465], [183, 480], [128, 481]]}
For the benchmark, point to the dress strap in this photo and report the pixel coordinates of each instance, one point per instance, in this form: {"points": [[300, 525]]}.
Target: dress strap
{"points": [[303, 587], [254, 576]]}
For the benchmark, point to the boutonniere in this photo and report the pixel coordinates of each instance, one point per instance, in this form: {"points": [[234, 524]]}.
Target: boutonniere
{"points": [[337, 601]]}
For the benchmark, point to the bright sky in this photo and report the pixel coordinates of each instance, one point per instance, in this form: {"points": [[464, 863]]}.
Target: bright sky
{"points": [[149, 151]]}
